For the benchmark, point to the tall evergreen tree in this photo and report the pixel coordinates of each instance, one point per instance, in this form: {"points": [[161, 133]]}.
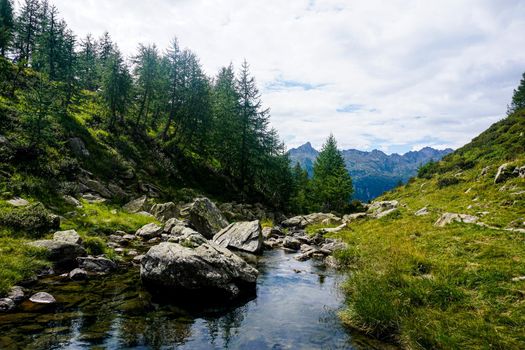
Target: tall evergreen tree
{"points": [[116, 88], [518, 98], [331, 182], [87, 64], [147, 75], [253, 122], [226, 119], [6, 25], [27, 26]]}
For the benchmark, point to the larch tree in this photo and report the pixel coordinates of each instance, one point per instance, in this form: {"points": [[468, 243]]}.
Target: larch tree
{"points": [[7, 23]]}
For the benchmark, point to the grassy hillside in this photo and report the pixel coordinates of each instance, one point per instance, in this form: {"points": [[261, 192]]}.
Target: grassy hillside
{"points": [[453, 287]]}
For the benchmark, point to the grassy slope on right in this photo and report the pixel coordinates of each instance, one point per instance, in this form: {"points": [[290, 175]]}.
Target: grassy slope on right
{"points": [[446, 287]]}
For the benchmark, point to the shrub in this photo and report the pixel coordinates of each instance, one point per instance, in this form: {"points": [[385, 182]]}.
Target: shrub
{"points": [[34, 220], [95, 245]]}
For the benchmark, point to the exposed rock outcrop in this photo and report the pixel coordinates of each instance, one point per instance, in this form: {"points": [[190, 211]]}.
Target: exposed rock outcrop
{"points": [[205, 217], [380, 209], [207, 268], [448, 218], [302, 221], [245, 236]]}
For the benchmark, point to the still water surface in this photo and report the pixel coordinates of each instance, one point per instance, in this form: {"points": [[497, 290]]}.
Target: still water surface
{"points": [[295, 308]]}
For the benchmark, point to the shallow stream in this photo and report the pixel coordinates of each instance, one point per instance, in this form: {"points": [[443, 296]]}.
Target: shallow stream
{"points": [[295, 308]]}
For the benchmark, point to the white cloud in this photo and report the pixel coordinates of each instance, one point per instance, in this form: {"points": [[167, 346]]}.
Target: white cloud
{"points": [[422, 72]]}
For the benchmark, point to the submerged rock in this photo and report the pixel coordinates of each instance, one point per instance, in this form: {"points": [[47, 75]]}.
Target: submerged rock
{"points": [[207, 268], [6, 304], [205, 217], [42, 298], [96, 264], [78, 275], [291, 243], [245, 236]]}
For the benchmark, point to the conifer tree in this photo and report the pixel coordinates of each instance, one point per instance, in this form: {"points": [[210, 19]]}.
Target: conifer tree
{"points": [[331, 182], [116, 88], [27, 25], [518, 99], [6, 25]]}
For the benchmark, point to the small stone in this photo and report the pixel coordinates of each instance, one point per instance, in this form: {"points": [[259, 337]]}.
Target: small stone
{"points": [[72, 201], [517, 279], [138, 259], [16, 294], [6, 305], [42, 298], [422, 211], [69, 236], [78, 275], [18, 202]]}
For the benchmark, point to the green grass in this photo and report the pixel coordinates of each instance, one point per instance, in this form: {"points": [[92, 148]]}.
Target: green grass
{"points": [[104, 219], [267, 223], [18, 261], [452, 287]]}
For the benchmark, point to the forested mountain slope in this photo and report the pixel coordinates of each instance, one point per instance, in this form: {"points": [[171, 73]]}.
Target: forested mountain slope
{"points": [[375, 172]]}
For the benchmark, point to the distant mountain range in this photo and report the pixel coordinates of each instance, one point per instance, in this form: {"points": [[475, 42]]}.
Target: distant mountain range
{"points": [[375, 172]]}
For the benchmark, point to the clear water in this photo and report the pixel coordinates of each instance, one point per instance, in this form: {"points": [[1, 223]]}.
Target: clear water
{"points": [[295, 308]]}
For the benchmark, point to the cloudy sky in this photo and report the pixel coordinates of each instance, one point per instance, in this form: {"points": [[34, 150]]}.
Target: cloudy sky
{"points": [[392, 75]]}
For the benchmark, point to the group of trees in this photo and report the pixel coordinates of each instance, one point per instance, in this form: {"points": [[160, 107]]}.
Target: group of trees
{"points": [[165, 95], [330, 187]]}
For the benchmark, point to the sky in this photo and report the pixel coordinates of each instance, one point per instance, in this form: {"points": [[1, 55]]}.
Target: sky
{"points": [[392, 75]]}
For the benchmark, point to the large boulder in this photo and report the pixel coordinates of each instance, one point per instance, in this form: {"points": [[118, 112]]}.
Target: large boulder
{"points": [[136, 205], [302, 221], [165, 211], [149, 231], [245, 236], [448, 218], [60, 252], [207, 268], [70, 236], [205, 217]]}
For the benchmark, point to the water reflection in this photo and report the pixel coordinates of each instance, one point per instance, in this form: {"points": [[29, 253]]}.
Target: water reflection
{"points": [[295, 308]]}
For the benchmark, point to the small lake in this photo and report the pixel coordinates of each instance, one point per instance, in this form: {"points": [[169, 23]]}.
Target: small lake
{"points": [[295, 308]]}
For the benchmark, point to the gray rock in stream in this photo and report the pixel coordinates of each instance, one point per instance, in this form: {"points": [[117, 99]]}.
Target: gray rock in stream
{"points": [[244, 236], [6, 304], [205, 217], [207, 268], [42, 298], [60, 252], [96, 264]]}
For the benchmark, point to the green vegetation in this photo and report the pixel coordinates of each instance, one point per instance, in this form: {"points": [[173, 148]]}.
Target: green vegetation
{"points": [[330, 188], [451, 287]]}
